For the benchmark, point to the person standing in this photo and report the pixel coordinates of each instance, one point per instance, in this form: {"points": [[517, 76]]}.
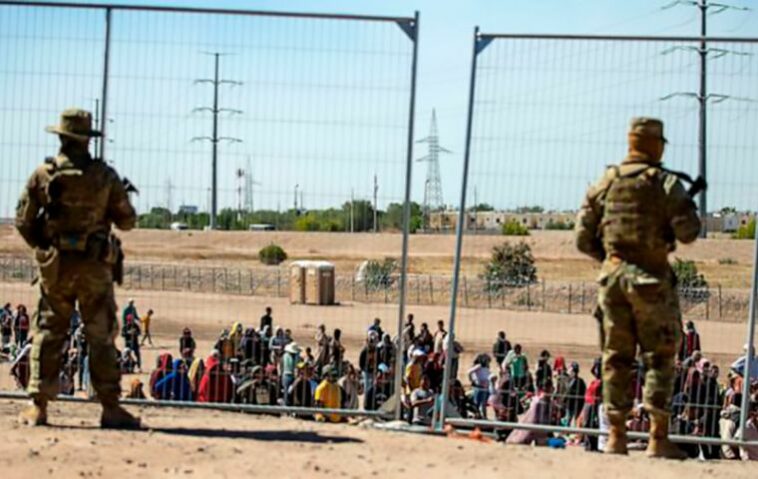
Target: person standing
{"points": [[439, 337], [146, 322], [6, 325], [66, 213], [21, 325], [501, 348], [267, 320], [630, 221], [130, 309]]}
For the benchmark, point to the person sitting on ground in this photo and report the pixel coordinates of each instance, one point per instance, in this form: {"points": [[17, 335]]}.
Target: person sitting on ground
{"points": [[414, 370], [257, 389], [422, 402], [175, 386], [127, 362], [300, 393], [435, 369], [380, 391], [501, 347], [136, 390], [329, 395], [216, 385], [164, 366], [729, 425], [541, 410], [187, 342], [351, 387]]}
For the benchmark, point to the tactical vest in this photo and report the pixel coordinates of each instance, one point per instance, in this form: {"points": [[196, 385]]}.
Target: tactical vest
{"points": [[634, 224], [76, 203]]}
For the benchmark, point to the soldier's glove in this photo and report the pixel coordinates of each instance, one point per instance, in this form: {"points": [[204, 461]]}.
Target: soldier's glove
{"points": [[697, 186]]}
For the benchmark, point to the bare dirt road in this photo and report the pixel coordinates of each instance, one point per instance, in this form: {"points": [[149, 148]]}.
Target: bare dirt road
{"points": [[204, 444]]}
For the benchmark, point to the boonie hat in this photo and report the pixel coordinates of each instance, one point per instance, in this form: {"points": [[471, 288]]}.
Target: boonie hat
{"points": [[75, 123]]}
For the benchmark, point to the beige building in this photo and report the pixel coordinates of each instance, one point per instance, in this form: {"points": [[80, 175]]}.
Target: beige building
{"points": [[494, 220]]}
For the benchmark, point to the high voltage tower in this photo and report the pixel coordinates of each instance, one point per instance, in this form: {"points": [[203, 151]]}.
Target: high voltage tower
{"points": [[216, 81], [433, 184], [702, 95], [246, 182]]}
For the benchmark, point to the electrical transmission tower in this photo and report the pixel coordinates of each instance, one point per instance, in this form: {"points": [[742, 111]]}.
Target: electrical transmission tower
{"points": [[216, 81], [433, 184], [706, 7], [169, 195], [245, 183]]}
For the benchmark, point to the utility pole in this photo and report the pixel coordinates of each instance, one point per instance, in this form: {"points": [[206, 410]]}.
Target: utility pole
{"points": [[169, 195], [215, 138], [376, 195], [702, 95], [352, 210], [296, 210]]}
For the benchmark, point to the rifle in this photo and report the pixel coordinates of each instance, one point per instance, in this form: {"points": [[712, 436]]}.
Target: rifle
{"points": [[696, 186]]}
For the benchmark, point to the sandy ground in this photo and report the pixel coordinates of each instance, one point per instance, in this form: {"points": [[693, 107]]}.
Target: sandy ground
{"points": [[556, 255], [208, 444]]}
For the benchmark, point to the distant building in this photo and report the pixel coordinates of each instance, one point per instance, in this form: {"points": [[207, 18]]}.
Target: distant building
{"points": [[494, 220], [188, 210]]}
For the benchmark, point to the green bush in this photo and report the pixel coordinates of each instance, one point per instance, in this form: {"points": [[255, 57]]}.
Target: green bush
{"points": [[272, 255], [379, 274], [514, 228], [559, 225], [692, 285], [510, 265], [747, 231]]}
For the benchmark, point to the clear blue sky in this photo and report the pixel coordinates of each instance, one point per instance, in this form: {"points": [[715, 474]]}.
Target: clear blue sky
{"points": [[309, 132]]}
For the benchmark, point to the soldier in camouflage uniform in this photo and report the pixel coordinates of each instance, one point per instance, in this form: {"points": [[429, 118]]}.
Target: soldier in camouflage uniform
{"points": [[630, 221], [65, 214]]}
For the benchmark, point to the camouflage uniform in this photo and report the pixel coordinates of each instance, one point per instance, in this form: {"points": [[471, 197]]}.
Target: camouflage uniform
{"points": [[65, 213], [630, 221]]}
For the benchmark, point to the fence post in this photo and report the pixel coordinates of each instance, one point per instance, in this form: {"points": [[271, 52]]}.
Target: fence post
{"points": [[163, 279], [465, 292], [386, 286], [528, 296], [570, 298], [418, 289], [189, 279], [489, 293], [720, 315], [278, 282], [431, 290], [708, 304], [582, 311], [503, 289], [544, 300]]}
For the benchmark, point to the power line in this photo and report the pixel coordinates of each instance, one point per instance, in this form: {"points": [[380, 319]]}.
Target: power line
{"points": [[706, 8], [215, 138]]}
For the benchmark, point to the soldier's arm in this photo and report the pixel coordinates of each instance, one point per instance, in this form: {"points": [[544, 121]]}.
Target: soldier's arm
{"points": [[681, 211], [587, 225], [120, 209], [28, 223]]}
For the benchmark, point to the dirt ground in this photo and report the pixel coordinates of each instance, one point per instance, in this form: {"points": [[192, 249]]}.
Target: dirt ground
{"points": [[723, 261], [206, 444]]}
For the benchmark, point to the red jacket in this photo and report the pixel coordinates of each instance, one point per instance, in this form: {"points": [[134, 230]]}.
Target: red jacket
{"points": [[216, 384]]}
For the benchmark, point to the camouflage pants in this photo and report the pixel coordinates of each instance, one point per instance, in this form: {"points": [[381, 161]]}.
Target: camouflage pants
{"points": [[638, 309], [89, 282]]}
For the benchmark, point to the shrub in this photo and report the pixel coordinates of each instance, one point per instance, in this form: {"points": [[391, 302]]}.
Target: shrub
{"points": [[514, 228], [727, 261], [272, 255], [510, 265], [379, 274], [692, 285], [559, 225]]}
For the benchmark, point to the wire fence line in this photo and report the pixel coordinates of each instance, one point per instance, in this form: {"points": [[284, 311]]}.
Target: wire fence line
{"points": [[545, 295]]}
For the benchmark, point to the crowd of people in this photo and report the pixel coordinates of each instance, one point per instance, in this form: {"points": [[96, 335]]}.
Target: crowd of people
{"points": [[264, 365]]}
